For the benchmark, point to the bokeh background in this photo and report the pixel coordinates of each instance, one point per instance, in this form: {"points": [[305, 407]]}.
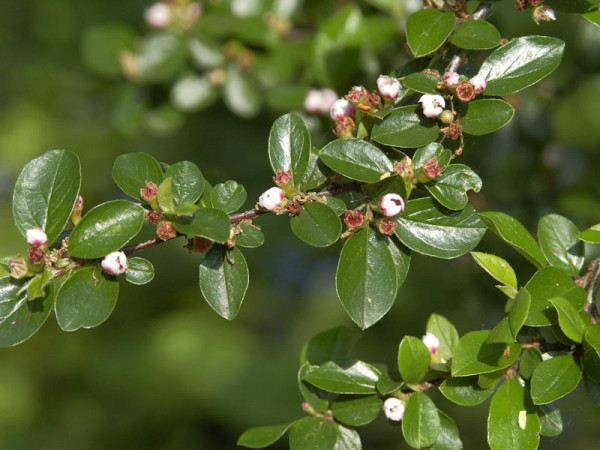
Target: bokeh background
{"points": [[165, 372]]}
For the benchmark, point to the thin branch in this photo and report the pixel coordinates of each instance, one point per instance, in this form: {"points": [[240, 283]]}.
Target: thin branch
{"points": [[593, 285]]}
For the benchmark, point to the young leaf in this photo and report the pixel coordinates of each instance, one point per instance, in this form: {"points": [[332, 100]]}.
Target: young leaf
{"points": [[187, 182], [520, 63], [496, 267], [404, 127], [512, 422], [356, 411], [591, 235], [366, 280], [474, 355], [446, 334], [451, 187], [428, 29], [421, 82], [209, 223], [332, 345], [165, 196], [465, 391], [289, 146], [449, 437], [530, 359], [568, 319], [313, 433], [131, 171], [352, 377], [476, 35], [224, 280], [485, 116], [317, 225], [228, 196], [421, 422], [45, 193], [250, 237], [261, 437], [559, 243], [105, 229], [554, 378], [356, 159], [413, 359], [518, 312], [139, 271], [86, 299]]}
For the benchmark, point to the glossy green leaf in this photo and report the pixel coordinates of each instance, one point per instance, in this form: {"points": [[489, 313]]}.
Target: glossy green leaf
{"points": [[591, 235], [451, 187], [250, 237], [435, 231], [559, 243], [139, 271], [485, 116], [401, 256], [501, 333], [316, 173], [337, 204], [161, 55], [289, 146], [474, 355], [519, 311], [105, 229], [465, 391], [187, 182], [261, 437], [496, 267], [186, 209], [228, 196], [166, 202], [356, 159], [568, 319], [224, 280], [421, 422], [421, 82], [405, 127], [554, 378], [432, 150], [446, 334], [592, 335], [332, 345], [241, 94], [520, 63], [313, 433], [131, 171], [209, 223], [351, 377], [37, 285], [512, 421], [428, 29], [317, 225], [413, 359], [11, 296], [449, 437], [317, 398], [45, 193], [347, 439], [490, 380], [86, 299], [388, 384], [366, 280], [356, 411], [530, 359], [550, 419], [593, 16], [476, 35], [512, 232]]}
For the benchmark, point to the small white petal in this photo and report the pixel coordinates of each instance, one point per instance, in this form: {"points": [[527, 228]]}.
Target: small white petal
{"points": [[432, 105], [388, 87], [36, 237], [394, 408], [391, 204], [271, 199], [115, 263], [158, 15], [432, 342], [341, 109]]}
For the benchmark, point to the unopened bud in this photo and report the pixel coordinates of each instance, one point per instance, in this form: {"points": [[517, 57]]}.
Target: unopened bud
{"points": [[404, 168], [387, 226], [153, 216], [165, 230], [77, 209], [18, 267], [158, 16], [479, 83], [271, 199], [432, 343], [354, 218], [150, 194], [341, 109], [431, 169], [391, 205], [394, 408], [432, 105], [115, 263], [446, 116], [388, 87], [282, 178], [358, 96], [542, 13], [36, 237], [465, 91], [320, 101], [36, 256], [451, 79]]}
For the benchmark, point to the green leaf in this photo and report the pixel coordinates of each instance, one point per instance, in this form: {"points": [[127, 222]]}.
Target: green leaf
{"points": [[401, 256], [185, 209], [131, 171], [101, 45], [550, 419], [250, 237], [289, 146], [187, 182], [316, 398], [241, 94], [568, 319], [573, 6], [548, 283], [592, 335], [228, 196], [193, 93], [476, 35], [450, 188], [512, 422], [593, 16], [261, 437], [45, 193], [591, 235], [435, 231], [86, 299], [501, 333], [489, 380], [337, 204], [474, 355], [446, 334], [332, 345], [465, 391], [313, 433], [224, 280], [428, 29], [421, 422], [352, 377], [37, 285], [317, 225], [366, 280], [554, 378], [105, 229], [316, 173], [139, 271], [11, 296], [405, 128], [519, 311], [388, 384], [434, 149], [161, 55], [530, 359], [485, 116], [512, 232], [520, 63], [356, 159], [347, 439], [165, 196], [559, 243], [413, 359], [421, 82], [591, 365], [356, 411], [209, 223], [449, 437], [496, 267]]}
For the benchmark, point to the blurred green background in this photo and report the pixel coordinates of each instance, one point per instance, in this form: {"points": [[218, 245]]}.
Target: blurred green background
{"points": [[165, 371]]}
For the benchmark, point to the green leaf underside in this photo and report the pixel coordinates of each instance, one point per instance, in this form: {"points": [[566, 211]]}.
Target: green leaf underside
{"points": [[356, 159], [591, 235], [289, 146], [451, 187], [317, 225], [86, 299], [559, 243], [421, 421], [427, 30], [550, 419], [46, 191], [105, 229], [496, 267], [474, 355], [435, 231], [224, 280], [210, 223], [356, 411], [446, 334], [465, 391], [132, 170], [187, 182], [332, 345], [405, 127], [413, 359], [449, 437], [228, 196], [261, 437], [366, 280], [476, 35], [486, 116], [139, 271], [314, 433], [512, 421], [352, 377], [529, 361], [554, 378]]}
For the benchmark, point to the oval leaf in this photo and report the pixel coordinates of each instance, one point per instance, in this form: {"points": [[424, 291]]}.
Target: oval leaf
{"points": [[131, 171], [421, 421], [261, 437], [187, 182], [356, 159], [404, 127], [250, 237], [421, 82], [559, 243], [592, 234], [352, 377], [413, 359], [474, 355], [427, 30], [569, 320], [496, 267], [451, 187], [465, 391], [317, 225], [139, 271], [449, 437], [289, 146], [314, 433], [554, 378], [228, 196], [209, 223], [476, 35], [240, 93], [485, 116], [356, 411]]}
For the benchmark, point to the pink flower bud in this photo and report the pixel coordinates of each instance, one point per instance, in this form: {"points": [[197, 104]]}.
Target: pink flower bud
{"points": [[391, 205], [451, 79], [542, 13], [388, 87], [271, 199], [158, 16], [319, 101], [432, 105], [394, 408], [36, 237], [115, 263], [341, 109], [432, 343], [282, 178], [478, 83]]}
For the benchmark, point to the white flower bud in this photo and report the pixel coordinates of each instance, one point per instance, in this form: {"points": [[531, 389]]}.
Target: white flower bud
{"points": [[451, 79], [391, 205], [158, 16], [542, 13], [432, 343], [36, 237], [319, 101], [433, 105], [341, 109], [478, 83], [388, 87], [271, 199], [115, 263], [394, 408]]}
